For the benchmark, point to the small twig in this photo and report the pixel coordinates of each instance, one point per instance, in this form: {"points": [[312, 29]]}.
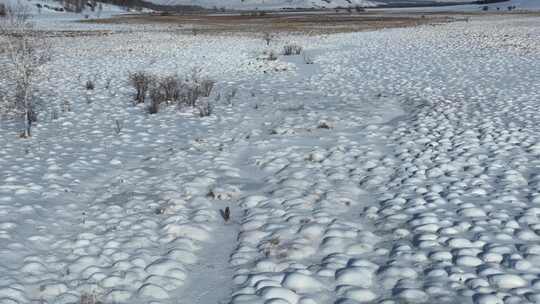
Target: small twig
{"points": [[225, 214]]}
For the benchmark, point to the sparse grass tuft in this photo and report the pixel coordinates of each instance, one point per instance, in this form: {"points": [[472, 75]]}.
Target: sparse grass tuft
{"points": [[324, 125], [275, 248], [87, 298], [267, 37], [292, 49], [307, 58], [230, 95], [118, 125], [225, 214], [90, 85], [272, 56]]}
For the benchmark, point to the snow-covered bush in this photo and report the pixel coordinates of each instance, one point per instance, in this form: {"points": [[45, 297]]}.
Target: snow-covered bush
{"points": [[292, 49]]}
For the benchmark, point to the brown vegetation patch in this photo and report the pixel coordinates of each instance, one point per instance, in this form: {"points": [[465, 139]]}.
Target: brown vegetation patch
{"points": [[281, 22]]}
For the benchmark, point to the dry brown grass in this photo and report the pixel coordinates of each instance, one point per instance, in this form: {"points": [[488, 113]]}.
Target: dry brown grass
{"points": [[292, 22], [89, 298]]}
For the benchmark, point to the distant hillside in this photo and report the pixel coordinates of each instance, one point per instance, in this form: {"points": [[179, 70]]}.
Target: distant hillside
{"points": [[103, 8], [459, 5]]}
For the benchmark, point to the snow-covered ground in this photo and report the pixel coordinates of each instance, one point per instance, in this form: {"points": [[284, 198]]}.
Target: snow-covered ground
{"points": [[403, 166], [53, 10]]}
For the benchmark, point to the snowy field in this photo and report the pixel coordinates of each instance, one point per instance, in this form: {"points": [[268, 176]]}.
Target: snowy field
{"points": [[402, 166]]}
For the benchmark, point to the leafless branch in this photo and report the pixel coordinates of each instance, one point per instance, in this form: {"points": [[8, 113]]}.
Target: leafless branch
{"points": [[26, 53]]}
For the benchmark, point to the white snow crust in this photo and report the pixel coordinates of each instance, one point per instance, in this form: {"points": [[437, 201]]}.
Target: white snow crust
{"points": [[403, 166]]}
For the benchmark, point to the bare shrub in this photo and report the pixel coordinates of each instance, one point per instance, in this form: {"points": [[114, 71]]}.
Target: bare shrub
{"points": [[66, 106], [168, 89], [205, 108], [90, 85], [26, 55], [267, 37], [275, 248], [292, 49], [118, 125], [206, 86], [324, 125], [170, 86], [153, 108], [75, 6], [190, 94], [194, 76], [157, 96], [16, 16], [87, 298], [173, 90], [307, 58], [3, 10], [54, 114], [230, 95], [88, 98], [194, 87], [272, 56], [225, 213], [141, 81], [108, 83]]}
